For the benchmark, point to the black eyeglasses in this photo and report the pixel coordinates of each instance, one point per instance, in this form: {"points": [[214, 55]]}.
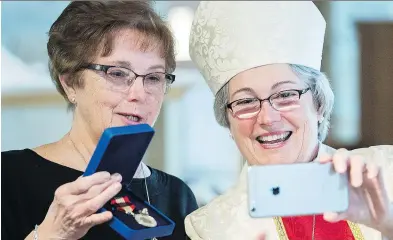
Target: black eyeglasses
{"points": [[121, 78], [281, 101]]}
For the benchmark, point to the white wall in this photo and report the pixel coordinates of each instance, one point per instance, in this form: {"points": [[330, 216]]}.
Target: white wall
{"points": [[31, 126]]}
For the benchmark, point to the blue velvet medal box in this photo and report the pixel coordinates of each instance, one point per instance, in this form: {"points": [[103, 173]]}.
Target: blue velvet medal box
{"points": [[120, 150]]}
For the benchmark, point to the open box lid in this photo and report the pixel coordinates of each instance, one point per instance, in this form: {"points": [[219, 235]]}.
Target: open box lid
{"points": [[120, 150]]}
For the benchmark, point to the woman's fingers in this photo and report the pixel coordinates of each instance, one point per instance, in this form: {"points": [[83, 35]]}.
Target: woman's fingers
{"points": [[377, 195], [372, 171], [90, 194], [98, 218], [340, 160], [79, 206], [357, 168], [325, 158], [368, 197], [91, 206], [81, 185], [97, 189], [343, 162], [74, 208]]}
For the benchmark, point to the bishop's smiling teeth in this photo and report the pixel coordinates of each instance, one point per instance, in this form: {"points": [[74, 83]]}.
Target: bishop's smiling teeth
{"points": [[274, 138]]}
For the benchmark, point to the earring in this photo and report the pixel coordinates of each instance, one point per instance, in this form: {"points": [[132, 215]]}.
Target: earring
{"points": [[73, 100]]}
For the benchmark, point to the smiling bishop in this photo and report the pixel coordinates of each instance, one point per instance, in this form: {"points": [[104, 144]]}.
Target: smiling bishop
{"points": [[262, 60]]}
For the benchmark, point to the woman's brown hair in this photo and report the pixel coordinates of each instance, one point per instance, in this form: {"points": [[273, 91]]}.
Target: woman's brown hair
{"points": [[85, 30]]}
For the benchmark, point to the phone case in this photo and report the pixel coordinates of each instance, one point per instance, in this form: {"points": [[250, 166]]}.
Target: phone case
{"points": [[296, 190]]}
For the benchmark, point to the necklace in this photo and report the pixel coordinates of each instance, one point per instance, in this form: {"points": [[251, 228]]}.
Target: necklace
{"points": [[77, 150], [146, 188], [147, 191]]}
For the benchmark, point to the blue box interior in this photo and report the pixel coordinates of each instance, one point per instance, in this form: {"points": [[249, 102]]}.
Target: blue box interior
{"points": [[120, 150]]}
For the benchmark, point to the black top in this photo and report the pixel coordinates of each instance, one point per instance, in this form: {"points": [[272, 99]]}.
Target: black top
{"points": [[28, 183]]}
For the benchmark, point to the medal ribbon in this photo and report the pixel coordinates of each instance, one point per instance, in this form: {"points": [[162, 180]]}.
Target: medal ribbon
{"points": [[123, 204]]}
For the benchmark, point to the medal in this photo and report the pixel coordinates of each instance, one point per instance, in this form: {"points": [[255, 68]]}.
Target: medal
{"points": [[143, 218]]}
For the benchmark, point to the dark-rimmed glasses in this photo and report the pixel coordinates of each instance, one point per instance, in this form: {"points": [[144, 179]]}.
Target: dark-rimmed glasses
{"points": [[121, 78], [281, 101]]}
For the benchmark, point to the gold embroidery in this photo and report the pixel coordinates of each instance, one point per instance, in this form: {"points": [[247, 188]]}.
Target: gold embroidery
{"points": [[357, 233], [282, 234]]}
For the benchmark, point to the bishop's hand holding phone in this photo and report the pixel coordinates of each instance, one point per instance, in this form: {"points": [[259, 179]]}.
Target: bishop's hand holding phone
{"points": [[368, 198], [340, 186]]}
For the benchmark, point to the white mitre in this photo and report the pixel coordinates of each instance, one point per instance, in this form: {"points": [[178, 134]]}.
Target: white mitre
{"points": [[230, 37]]}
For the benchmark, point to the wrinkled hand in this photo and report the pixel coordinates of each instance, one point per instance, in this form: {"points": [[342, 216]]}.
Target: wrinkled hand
{"points": [[368, 198], [73, 210]]}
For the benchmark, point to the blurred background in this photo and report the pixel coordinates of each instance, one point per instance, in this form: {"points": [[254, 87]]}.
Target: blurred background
{"points": [[358, 58]]}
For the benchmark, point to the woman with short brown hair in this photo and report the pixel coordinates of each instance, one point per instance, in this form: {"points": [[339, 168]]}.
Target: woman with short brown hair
{"points": [[112, 61]]}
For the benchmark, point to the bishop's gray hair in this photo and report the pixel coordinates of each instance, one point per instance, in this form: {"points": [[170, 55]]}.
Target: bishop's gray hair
{"points": [[320, 88]]}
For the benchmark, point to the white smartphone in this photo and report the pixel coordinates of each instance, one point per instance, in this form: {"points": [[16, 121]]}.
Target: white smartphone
{"points": [[296, 190]]}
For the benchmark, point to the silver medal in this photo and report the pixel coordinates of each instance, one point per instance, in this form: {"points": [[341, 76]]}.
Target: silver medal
{"points": [[144, 219]]}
